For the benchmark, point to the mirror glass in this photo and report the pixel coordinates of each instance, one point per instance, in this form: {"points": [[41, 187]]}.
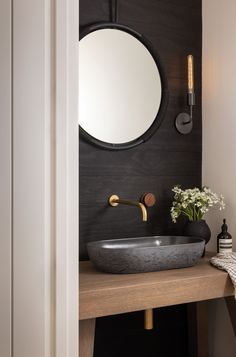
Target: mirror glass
{"points": [[120, 87]]}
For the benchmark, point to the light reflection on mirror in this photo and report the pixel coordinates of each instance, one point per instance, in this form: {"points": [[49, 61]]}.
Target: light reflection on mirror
{"points": [[120, 87]]}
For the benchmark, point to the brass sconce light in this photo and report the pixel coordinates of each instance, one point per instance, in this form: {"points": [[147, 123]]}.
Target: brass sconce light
{"points": [[184, 121]]}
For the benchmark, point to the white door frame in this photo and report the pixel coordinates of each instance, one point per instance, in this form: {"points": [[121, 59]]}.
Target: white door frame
{"points": [[45, 178], [5, 178], [67, 32]]}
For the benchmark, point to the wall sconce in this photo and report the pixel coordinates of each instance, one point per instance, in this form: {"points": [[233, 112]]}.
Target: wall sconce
{"points": [[184, 121]]}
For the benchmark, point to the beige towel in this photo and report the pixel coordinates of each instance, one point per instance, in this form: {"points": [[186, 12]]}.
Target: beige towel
{"points": [[227, 262]]}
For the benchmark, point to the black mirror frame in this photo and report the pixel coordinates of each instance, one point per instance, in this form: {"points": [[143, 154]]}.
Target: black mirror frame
{"points": [[164, 98]]}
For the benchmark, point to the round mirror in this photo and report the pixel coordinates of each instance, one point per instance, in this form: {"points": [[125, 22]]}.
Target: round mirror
{"points": [[122, 94]]}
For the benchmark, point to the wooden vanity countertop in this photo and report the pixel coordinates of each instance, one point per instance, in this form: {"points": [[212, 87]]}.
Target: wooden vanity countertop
{"points": [[104, 294]]}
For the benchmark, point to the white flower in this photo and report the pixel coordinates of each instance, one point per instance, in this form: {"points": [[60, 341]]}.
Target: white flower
{"points": [[194, 203]]}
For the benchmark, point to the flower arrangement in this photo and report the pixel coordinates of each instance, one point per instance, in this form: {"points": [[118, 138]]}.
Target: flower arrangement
{"points": [[194, 203]]}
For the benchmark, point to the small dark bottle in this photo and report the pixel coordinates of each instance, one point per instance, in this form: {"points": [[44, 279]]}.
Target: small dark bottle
{"points": [[224, 239]]}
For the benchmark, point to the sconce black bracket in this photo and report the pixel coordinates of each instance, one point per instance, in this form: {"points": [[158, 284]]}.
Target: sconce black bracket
{"points": [[184, 123]]}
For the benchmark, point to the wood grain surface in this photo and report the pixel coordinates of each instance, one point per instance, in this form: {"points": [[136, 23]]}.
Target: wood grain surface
{"points": [[198, 329], [104, 294], [231, 305], [86, 337]]}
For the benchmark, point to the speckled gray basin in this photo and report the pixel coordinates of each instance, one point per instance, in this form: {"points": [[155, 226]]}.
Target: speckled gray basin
{"points": [[145, 254]]}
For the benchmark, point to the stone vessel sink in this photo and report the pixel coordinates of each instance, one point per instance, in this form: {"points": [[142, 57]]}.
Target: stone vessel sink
{"points": [[145, 254]]}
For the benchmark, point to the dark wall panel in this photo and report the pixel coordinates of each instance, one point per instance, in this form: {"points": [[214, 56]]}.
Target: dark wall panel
{"points": [[167, 159]]}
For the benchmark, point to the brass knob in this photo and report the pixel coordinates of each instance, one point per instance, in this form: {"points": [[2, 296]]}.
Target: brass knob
{"points": [[113, 200], [148, 199]]}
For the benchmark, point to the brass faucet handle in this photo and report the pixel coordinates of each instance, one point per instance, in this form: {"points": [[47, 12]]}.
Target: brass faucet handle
{"points": [[113, 200], [148, 199]]}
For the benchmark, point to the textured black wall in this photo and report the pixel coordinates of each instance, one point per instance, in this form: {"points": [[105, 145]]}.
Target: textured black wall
{"points": [[167, 159]]}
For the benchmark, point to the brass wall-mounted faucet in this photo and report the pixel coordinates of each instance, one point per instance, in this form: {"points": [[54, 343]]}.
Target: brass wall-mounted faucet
{"points": [[114, 201], [147, 200]]}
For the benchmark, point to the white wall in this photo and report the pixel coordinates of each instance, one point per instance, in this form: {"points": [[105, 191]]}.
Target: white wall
{"points": [[5, 178], [45, 178], [39, 178], [219, 141], [32, 207]]}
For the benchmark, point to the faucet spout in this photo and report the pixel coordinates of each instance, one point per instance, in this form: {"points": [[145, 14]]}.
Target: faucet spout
{"points": [[114, 201]]}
